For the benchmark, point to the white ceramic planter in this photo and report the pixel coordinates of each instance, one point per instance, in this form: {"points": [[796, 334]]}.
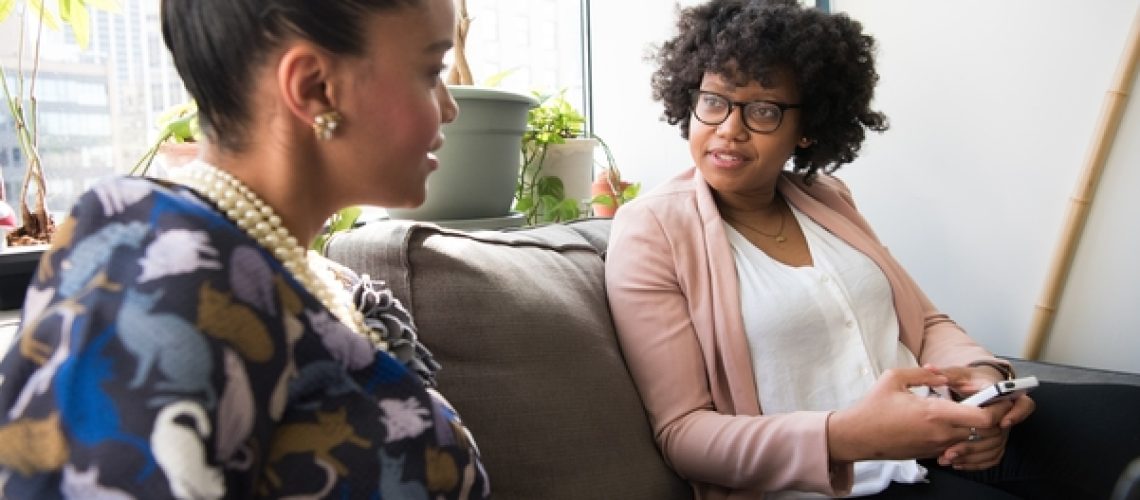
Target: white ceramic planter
{"points": [[573, 162], [479, 161]]}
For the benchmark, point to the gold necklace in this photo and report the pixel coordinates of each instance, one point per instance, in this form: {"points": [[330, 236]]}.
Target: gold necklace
{"points": [[779, 236], [261, 222]]}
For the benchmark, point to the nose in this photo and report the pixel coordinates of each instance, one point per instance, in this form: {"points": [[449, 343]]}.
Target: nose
{"points": [[448, 108], [733, 125]]}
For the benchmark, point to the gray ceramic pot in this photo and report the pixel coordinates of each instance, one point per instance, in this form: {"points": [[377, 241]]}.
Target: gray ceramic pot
{"points": [[480, 158]]}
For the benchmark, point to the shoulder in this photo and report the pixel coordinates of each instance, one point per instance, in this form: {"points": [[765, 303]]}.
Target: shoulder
{"points": [[140, 200], [824, 187], [670, 203]]}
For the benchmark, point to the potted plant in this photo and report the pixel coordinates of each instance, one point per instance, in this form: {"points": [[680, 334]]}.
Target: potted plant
{"points": [[609, 190], [36, 225], [479, 160], [554, 179], [177, 142]]}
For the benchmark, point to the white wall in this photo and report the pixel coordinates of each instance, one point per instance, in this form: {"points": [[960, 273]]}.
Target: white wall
{"points": [[992, 106], [647, 149]]}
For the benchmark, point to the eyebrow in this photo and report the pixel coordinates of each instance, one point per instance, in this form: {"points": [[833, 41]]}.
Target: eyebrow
{"points": [[765, 94]]}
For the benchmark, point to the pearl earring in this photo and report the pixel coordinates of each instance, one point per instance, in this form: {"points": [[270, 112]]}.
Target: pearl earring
{"points": [[325, 124]]}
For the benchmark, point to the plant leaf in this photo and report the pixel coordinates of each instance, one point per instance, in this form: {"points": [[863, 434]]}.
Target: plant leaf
{"points": [[345, 219], [568, 210], [548, 203], [603, 199], [497, 79], [80, 21], [42, 13], [6, 7], [630, 192], [181, 130], [552, 185]]}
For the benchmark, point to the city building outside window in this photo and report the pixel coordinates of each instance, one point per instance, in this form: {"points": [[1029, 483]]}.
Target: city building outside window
{"points": [[98, 107]]}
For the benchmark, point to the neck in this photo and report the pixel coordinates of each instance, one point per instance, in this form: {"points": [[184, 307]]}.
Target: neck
{"points": [[762, 202], [283, 183]]}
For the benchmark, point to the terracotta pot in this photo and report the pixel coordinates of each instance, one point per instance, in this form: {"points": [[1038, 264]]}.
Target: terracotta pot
{"points": [[602, 186], [173, 155]]}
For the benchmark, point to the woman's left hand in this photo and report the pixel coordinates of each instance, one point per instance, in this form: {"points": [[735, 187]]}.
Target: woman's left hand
{"points": [[987, 450]]}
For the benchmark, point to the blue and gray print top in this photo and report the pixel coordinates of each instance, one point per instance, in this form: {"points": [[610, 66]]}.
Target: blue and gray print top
{"points": [[164, 354]]}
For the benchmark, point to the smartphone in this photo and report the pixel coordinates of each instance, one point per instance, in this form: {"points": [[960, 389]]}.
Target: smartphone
{"points": [[1005, 389]]}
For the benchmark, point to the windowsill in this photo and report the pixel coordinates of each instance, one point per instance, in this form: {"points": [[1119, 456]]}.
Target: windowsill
{"points": [[17, 265], [9, 320]]}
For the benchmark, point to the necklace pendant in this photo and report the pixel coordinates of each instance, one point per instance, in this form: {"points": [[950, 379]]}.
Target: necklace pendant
{"points": [[780, 239]]}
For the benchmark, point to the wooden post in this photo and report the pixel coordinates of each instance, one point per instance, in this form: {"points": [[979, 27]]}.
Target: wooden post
{"points": [[1112, 112], [461, 71]]}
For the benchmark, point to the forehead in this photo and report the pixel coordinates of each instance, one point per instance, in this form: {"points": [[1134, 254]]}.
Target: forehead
{"points": [[775, 79]]}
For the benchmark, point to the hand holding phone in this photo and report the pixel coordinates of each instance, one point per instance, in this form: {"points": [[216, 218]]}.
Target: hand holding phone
{"points": [[1005, 389]]}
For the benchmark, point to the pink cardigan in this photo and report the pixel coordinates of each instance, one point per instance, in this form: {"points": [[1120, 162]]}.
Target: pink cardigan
{"points": [[673, 290]]}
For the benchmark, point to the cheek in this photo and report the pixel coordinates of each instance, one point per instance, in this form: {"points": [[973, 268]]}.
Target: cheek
{"points": [[416, 124], [698, 138]]}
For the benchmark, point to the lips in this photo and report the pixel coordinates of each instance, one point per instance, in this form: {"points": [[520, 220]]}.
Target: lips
{"points": [[724, 158]]}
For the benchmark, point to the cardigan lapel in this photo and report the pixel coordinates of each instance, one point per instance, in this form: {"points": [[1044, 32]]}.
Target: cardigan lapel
{"points": [[726, 319]]}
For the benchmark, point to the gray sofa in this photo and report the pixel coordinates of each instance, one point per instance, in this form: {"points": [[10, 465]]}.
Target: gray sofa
{"points": [[519, 320]]}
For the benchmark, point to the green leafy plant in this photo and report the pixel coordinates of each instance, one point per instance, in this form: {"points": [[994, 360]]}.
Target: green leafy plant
{"points": [[20, 98], [343, 220], [540, 197], [179, 124], [619, 191]]}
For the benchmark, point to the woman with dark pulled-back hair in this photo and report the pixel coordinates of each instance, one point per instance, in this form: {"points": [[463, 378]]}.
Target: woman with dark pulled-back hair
{"points": [[779, 350], [178, 341]]}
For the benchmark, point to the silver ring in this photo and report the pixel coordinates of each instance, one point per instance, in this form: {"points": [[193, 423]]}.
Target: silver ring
{"points": [[973, 435]]}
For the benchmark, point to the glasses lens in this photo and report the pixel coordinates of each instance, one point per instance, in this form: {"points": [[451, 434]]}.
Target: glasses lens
{"points": [[762, 116], [710, 108]]}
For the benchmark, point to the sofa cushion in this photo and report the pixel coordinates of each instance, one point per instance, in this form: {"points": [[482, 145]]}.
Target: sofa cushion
{"points": [[520, 323]]}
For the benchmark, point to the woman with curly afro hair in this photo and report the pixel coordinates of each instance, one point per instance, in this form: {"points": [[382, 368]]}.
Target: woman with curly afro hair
{"points": [[772, 337]]}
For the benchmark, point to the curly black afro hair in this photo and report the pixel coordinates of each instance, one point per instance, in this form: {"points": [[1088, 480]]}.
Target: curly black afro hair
{"points": [[830, 58]]}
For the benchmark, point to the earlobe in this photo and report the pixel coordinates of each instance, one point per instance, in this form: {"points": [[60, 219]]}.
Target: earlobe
{"points": [[805, 142]]}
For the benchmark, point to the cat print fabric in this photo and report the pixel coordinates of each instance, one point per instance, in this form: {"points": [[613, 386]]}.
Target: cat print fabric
{"points": [[164, 354]]}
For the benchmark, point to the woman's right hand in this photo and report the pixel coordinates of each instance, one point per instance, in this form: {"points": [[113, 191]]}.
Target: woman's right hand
{"points": [[892, 423]]}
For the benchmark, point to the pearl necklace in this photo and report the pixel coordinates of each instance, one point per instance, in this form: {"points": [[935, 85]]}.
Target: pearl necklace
{"points": [[260, 222]]}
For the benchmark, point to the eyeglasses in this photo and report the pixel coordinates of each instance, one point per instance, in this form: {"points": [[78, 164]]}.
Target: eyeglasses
{"points": [[762, 117]]}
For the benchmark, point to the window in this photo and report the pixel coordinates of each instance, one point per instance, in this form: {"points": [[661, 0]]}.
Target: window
{"points": [[99, 106], [536, 44]]}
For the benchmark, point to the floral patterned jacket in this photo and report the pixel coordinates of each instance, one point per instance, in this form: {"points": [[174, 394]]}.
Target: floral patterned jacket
{"points": [[164, 354]]}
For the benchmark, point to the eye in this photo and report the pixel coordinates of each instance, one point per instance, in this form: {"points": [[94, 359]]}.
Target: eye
{"points": [[436, 74], [712, 102], [763, 112]]}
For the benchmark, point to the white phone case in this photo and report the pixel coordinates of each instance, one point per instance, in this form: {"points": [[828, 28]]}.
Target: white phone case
{"points": [[1001, 390]]}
